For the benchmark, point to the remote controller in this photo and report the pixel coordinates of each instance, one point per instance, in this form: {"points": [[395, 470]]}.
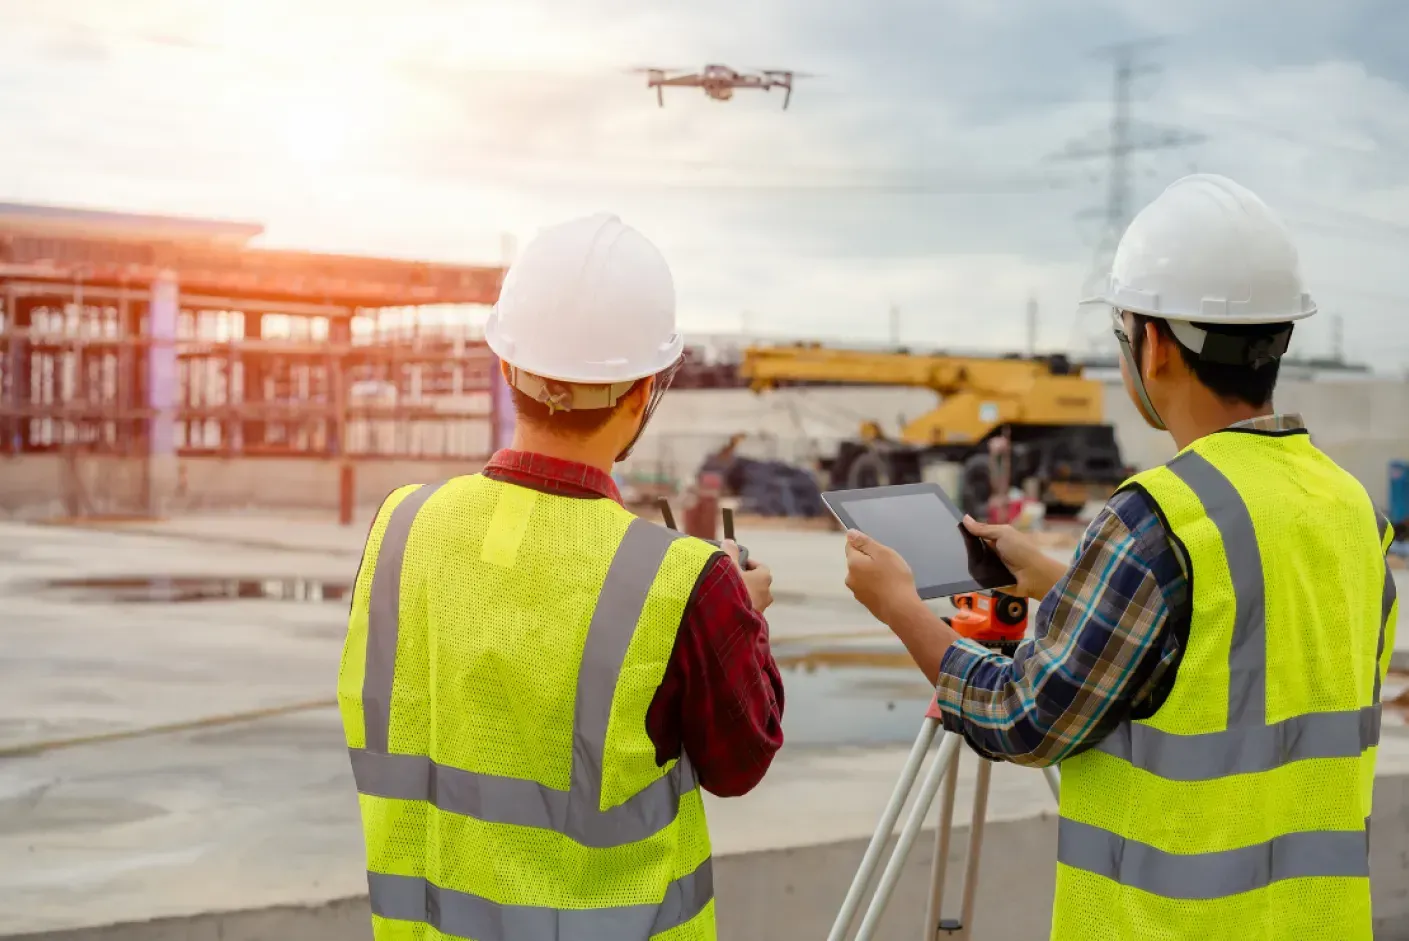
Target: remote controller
{"points": [[728, 516]]}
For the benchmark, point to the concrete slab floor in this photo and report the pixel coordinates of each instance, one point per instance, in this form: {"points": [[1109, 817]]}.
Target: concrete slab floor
{"points": [[215, 815], [263, 814]]}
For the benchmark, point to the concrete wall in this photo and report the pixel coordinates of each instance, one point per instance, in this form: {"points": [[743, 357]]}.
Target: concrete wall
{"points": [[45, 485], [42, 485], [794, 894]]}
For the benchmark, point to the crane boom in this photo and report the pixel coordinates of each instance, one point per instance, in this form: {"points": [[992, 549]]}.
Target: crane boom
{"points": [[977, 395], [768, 366]]}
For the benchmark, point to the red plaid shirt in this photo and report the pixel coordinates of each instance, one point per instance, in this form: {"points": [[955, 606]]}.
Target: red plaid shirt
{"points": [[721, 667]]}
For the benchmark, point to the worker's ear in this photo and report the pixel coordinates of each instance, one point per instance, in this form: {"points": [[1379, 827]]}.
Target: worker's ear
{"points": [[1156, 350], [638, 398], [504, 371]]}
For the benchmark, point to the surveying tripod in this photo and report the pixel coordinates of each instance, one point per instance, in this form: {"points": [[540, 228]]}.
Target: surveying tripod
{"points": [[998, 622]]}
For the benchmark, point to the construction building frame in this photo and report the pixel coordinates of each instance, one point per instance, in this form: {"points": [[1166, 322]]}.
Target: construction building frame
{"points": [[130, 345]]}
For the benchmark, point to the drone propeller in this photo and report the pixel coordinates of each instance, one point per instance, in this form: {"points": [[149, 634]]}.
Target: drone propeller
{"points": [[647, 69], [790, 73]]}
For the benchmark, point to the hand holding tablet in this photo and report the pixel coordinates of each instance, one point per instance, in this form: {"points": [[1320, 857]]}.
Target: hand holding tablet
{"points": [[924, 528]]}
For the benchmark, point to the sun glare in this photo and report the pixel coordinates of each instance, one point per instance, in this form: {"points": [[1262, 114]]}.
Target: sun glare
{"points": [[333, 118], [316, 129]]}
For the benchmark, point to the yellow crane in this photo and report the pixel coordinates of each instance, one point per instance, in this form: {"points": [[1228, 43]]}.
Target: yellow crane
{"points": [[1050, 413]]}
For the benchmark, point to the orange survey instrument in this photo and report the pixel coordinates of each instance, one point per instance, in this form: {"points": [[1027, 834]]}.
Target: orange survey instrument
{"points": [[997, 621]]}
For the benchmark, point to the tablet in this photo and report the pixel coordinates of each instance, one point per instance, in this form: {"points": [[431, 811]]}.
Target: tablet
{"points": [[921, 523]]}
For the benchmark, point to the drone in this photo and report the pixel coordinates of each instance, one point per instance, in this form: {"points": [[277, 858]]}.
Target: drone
{"points": [[719, 81]]}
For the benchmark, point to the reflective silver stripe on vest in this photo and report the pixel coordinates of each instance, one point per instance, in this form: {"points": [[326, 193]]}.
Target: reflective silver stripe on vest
{"points": [[1247, 745], [410, 899], [1245, 750], [382, 608], [1247, 654], [1212, 875], [497, 799]]}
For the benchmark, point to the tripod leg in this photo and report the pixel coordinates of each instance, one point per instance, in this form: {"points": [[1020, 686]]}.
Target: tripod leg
{"points": [[1054, 781], [872, 857], [976, 822], [939, 869], [906, 840]]}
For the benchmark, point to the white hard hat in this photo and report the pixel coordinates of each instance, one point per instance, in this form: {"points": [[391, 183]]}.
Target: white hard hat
{"points": [[1207, 250], [589, 301]]}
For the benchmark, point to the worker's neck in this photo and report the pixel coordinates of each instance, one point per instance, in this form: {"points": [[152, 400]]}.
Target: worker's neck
{"points": [[1202, 413], [592, 451]]}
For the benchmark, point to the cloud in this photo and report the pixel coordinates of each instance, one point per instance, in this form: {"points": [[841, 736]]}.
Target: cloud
{"points": [[912, 170]]}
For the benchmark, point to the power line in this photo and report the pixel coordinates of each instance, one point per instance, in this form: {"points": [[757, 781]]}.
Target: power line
{"points": [[1243, 124], [1343, 218], [1378, 297], [212, 163], [1344, 232]]}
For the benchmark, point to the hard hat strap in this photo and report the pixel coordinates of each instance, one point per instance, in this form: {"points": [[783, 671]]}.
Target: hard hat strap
{"points": [[1137, 380], [663, 380]]}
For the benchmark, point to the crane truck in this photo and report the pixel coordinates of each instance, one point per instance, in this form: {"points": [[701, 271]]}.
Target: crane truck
{"points": [[1051, 416]]}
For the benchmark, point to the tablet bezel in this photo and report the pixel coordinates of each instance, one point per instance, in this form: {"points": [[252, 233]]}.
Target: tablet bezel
{"points": [[836, 501]]}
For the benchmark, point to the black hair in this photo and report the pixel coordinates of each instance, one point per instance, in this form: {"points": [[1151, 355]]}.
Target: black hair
{"points": [[575, 423], [1249, 384]]}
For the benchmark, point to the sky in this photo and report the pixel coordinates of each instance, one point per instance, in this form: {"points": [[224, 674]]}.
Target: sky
{"points": [[914, 170]]}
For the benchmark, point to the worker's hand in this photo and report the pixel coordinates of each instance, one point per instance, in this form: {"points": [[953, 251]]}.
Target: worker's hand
{"points": [[757, 578], [1036, 572], [878, 577]]}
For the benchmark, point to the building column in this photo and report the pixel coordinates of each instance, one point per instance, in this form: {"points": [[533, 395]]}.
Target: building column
{"points": [[163, 394], [339, 341], [19, 367], [252, 362]]}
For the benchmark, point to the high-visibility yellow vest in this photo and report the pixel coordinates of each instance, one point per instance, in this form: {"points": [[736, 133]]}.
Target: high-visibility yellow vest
{"points": [[503, 649], [1240, 809]]}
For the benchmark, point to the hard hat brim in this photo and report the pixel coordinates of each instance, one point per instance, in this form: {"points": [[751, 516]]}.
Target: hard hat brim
{"points": [[604, 373], [1107, 299]]}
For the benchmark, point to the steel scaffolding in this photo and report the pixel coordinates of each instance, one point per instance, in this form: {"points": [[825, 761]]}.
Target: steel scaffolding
{"points": [[118, 338]]}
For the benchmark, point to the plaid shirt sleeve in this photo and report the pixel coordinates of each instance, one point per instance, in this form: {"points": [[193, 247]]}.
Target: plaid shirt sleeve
{"points": [[721, 699], [1106, 641]]}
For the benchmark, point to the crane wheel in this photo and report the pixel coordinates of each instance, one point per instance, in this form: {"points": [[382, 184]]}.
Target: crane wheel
{"points": [[868, 470]]}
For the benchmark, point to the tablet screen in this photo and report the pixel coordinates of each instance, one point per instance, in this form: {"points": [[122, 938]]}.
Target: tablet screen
{"points": [[916, 521]]}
